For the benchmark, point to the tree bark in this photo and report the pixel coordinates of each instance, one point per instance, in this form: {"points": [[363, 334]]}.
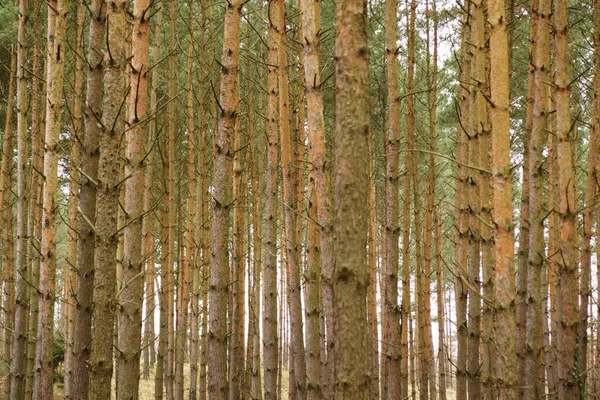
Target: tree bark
{"points": [[534, 388], [103, 313], [79, 385], [18, 370], [222, 202], [132, 296], [351, 187], [505, 334]]}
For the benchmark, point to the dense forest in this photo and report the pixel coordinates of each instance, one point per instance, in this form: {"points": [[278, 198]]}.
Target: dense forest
{"points": [[266, 199]]}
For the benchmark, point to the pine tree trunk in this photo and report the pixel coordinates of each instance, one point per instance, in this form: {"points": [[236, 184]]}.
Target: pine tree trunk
{"points": [[70, 280], [103, 313], [18, 368], [351, 189], [534, 344], [6, 234], [372, 293], [270, 320], [222, 202], [131, 296], [57, 25], [439, 276], [392, 229], [569, 372], [461, 216], [87, 204], [408, 182], [505, 334], [524, 230]]}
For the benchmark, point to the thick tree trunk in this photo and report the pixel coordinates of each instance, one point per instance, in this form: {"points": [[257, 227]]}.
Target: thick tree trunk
{"points": [[569, 372], [351, 189], [505, 334], [87, 204], [101, 357], [222, 202], [131, 296]]}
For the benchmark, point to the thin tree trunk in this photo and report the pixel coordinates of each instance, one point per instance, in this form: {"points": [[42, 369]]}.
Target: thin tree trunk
{"points": [[222, 202], [439, 271], [289, 182], [461, 216], [524, 230], [372, 293], [7, 235], [70, 280], [392, 229], [57, 25], [534, 345], [409, 165], [101, 357], [18, 368], [270, 320]]}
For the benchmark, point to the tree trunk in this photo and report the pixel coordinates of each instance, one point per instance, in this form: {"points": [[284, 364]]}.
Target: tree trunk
{"points": [[132, 295], [270, 340], [101, 357], [57, 25], [534, 344], [70, 280], [569, 373], [222, 202], [87, 204], [18, 368], [524, 230], [351, 189], [462, 211], [505, 333], [392, 229]]}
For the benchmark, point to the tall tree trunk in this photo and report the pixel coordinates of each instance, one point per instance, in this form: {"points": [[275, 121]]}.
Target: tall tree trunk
{"points": [[79, 385], [462, 211], [569, 374], [101, 357], [524, 224], [18, 370], [476, 125], [439, 276], [428, 389], [70, 280], [534, 344], [6, 235], [222, 202], [132, 295], [505, 334], [270, 320], [57, 25], [317, 153], [289, 183], [372, 293], [238, 273], [351, 189], [392, 229], [596, 132], [408, 182]]}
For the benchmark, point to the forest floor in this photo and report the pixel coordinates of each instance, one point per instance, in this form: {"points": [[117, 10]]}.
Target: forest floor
{"points": [[147, 386]]}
